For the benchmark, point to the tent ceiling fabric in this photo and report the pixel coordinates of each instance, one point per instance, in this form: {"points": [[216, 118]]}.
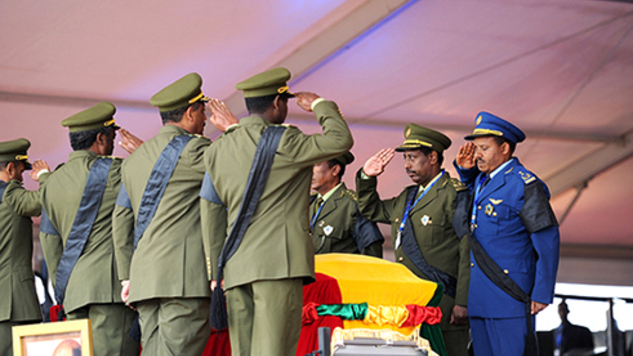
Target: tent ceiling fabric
{"points": [[562, 70]]}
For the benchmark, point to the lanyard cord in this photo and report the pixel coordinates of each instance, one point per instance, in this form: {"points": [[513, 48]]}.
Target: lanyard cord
{"points": [[316, 215], [473, 217], [410, 206]]}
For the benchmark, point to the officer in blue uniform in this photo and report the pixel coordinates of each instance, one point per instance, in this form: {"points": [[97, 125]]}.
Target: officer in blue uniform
{"points": [[514, 240]]}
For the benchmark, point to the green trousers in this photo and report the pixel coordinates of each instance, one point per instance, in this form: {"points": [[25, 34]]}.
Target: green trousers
{"points": [[6, 341], [265, 317], [111, 325], [455, 336], [174, 326]]}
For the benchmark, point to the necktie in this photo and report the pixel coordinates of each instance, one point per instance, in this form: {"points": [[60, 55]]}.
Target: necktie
{"points": [[486, 181]]}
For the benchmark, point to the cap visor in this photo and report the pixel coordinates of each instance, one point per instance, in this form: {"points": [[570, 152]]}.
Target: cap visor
{"points": [[407, 148], [288, 94], [27, 165], [473, 136]]}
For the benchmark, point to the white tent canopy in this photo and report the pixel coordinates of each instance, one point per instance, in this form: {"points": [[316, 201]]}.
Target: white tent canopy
{"points": [[562, 70]]}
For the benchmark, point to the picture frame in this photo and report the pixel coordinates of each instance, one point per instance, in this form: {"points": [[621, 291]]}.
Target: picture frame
{"points": [[53, 339]]}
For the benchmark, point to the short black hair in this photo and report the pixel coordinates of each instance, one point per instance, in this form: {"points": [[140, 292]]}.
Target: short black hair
{"points": [[82, 140], [501, 140], [176, 115], [331, 163], [259, 104], [4, 165], [427, 151]]}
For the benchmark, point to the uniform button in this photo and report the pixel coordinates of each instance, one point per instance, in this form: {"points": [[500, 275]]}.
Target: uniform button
{"points": [[506, 271], [400, 259], [472, 264], [479, 207], [494, 214], [475, 226]]}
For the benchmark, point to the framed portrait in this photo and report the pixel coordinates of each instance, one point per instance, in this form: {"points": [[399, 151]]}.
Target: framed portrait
{"points": [[65, 338]]}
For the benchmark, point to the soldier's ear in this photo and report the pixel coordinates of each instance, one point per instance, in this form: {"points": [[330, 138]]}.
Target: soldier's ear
{"points": [[432, 157], [10, 168], [505, 149], [335, 170]]}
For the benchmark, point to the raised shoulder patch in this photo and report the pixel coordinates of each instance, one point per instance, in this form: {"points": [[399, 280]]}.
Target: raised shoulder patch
{"points": [[458, 185], [527, 177], [350, 194]]}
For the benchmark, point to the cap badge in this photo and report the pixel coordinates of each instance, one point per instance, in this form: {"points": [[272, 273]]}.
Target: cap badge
{"points": [[408, 133], [478, 121], [328, 230], [426, 220]]}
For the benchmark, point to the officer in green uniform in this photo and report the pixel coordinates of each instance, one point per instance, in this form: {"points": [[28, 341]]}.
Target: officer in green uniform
{"points": [[157, 233], [17, 205], [337, 226], [421, 224], [265, 276], [76, 236]]}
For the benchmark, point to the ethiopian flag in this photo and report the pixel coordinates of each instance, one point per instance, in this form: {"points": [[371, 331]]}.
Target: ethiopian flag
{"points": [[355, 291]]}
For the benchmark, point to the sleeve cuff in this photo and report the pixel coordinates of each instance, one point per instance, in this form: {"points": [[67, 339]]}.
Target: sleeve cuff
{"points": [[316, 102], [42, 172], [363, 175]]}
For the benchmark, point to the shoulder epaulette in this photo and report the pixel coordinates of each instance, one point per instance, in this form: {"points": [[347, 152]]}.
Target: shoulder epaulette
{"points": [[59, 166], [458, 185], [527, 177], [350, 194]]}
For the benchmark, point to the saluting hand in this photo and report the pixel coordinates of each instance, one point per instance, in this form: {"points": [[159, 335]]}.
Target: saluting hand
{"points": [[38, 166], [130, 142], [466, 156], [377, 163], [221, 116], [305, 100]]}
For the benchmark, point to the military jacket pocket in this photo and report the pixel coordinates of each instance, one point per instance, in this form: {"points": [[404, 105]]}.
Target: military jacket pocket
{"points": [[430, 228], [497, 217]]}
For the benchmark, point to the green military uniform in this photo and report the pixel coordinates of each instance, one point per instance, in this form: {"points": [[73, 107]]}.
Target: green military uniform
{"points": [[17, 292], [264, 277], [337, 227], [93, 289], [168, 280], [431, 219]]}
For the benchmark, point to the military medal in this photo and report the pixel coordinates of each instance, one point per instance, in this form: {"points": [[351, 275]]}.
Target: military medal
{"points": [[328, 230], [425, 220], [489, 209], [321, 223]]}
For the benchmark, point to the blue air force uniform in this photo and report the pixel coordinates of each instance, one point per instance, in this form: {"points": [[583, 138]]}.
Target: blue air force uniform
{"points": [[512, 219]]}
